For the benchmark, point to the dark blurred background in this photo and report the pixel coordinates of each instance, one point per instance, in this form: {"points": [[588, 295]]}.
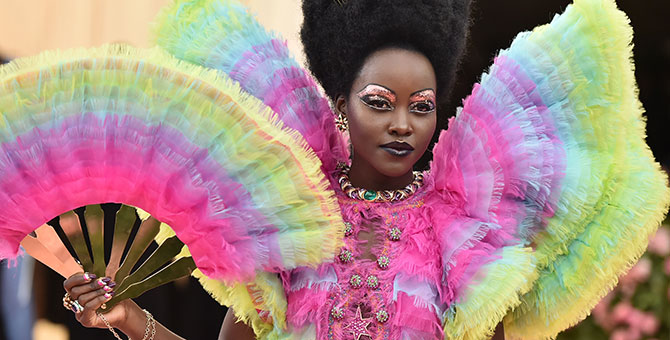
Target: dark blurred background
{"points": [[496, 23]]}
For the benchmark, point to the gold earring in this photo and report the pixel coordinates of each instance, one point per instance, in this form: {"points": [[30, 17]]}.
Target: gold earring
{"points": [[341, 122]]}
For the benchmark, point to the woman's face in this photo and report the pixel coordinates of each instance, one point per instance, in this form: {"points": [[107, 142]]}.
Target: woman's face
{"points": [[391, 110]]}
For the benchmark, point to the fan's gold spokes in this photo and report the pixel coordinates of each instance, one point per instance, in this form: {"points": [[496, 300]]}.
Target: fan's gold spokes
{"points": [[88, 245], [125, 220], [45, 246]]}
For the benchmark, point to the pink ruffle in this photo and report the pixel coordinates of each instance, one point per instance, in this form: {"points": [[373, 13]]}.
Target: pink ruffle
{"points": [[501, 157], [266, 72], [87, 161]]}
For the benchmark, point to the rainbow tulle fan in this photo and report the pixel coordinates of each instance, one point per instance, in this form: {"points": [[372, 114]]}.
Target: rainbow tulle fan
{"points": [[183, 143]]}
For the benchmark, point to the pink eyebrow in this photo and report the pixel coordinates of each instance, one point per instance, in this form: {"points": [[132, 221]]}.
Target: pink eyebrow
{"points": [[377, 90], [423, 95]]}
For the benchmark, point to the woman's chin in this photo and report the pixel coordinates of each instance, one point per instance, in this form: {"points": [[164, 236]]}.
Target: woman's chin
{"points": [[396, 171]]}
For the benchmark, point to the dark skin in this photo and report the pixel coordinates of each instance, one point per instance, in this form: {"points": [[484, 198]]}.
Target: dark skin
{"points": [[126, 316], [404, 73], [391, 100], [399, 74]]}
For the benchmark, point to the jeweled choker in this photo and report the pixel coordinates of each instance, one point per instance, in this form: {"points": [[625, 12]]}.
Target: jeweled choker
{"points": [[378, 196]]}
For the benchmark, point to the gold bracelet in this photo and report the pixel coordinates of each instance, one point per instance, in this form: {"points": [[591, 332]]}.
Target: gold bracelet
{"points": [[151, 326]]}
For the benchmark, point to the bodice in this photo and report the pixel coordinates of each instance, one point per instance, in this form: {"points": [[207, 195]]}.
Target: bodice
{"points": [[384, 283]]}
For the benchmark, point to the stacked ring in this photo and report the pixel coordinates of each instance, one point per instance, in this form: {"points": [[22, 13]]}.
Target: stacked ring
{"points": [[72, 305]]}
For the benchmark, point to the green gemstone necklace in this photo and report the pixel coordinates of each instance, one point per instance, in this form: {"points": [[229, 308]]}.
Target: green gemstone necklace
{"points": [[378, 196]]}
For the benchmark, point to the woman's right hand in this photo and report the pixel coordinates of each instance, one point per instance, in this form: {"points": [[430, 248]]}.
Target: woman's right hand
{"points": [[91, 292]]}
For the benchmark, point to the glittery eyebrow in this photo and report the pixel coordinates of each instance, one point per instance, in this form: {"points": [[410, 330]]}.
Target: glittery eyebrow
{"points": [[423, 95], [377, 90]]}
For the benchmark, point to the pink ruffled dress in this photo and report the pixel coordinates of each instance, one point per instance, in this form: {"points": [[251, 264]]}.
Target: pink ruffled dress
{"points": [[386, 284], [389, 280]]}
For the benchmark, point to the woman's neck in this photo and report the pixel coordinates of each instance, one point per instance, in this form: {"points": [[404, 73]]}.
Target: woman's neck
{"points": [[367, 177]]}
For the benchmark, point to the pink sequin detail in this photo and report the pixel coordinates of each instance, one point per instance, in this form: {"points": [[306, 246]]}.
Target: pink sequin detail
{"points": [[359, 326]]}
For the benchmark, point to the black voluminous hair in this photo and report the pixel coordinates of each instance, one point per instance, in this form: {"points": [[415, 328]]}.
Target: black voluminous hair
{"points": [[339, 35]]}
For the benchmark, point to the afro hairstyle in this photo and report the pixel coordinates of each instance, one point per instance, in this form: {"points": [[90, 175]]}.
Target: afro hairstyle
{"points": [[338, 36]]}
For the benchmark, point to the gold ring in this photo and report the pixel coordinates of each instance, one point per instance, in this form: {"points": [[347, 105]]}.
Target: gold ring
{"points": [[72, 305]]}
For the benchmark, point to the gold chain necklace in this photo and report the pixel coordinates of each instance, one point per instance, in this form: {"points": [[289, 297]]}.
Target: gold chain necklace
{"points": [[378, 196]]}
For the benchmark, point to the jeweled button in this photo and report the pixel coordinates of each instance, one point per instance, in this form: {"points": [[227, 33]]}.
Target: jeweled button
{"points": [[394, 234], [337, 313], [348, 229], [372, 281], [383, 262], [356, 281], [346, 256], [382, 316]]}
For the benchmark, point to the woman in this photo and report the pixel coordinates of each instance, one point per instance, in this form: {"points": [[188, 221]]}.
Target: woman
{"points": [[386, 145], [447, 253]]}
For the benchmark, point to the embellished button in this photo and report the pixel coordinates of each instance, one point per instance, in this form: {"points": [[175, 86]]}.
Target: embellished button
{"points": [[372, 281], [348, 229], [369, 195], [346, 256], [383, 262], [356, 281], [394, 234], [382, 316], [337, 313]]}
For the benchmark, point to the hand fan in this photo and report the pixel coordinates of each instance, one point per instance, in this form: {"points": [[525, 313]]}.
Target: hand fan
{"points": [[85, 235], [183, 143]]}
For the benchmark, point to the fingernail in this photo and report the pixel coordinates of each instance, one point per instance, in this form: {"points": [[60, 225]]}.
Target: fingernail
{"points": [[107, 288], [107, 279], [109, 295], [89, 276], [111, 284]]}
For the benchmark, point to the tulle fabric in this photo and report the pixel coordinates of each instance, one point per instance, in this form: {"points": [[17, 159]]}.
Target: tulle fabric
{"points": [[117, 124], [224, 35], [541, 192], [547, 158]]}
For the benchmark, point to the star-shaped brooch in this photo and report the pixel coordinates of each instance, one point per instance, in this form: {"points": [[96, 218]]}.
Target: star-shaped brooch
{"points": [[359, 326]]}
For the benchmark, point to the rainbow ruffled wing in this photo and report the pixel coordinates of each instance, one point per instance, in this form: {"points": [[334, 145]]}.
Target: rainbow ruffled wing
{"points": [[558, 189], [186, 144], [224, 35]]}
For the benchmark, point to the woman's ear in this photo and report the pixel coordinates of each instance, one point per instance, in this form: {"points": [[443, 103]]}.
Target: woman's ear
{"points": [[341, 105], [341, 121]]}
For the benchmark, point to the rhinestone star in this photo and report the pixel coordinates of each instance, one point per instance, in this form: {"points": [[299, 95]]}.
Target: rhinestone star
{"points": [[359, 326]]}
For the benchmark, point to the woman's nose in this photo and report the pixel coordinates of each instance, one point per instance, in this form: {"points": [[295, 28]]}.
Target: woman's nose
{"points": [[400, 124]]}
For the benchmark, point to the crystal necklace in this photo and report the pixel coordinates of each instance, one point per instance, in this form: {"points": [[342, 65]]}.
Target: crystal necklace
{"points": [[378, 196]]}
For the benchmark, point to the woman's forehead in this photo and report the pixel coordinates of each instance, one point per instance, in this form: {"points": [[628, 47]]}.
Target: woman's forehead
{"points": [[401, 71]]}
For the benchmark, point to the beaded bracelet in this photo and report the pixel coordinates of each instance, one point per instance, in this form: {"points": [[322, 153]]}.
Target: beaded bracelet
{"points": [[151, 326]]}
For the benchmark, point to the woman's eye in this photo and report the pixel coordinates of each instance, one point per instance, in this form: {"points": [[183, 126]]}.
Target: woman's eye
{"points": [[422, 107], [377, 103]]}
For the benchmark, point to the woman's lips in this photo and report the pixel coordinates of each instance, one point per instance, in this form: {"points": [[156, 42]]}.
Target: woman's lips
{"points": [[396, 148]]}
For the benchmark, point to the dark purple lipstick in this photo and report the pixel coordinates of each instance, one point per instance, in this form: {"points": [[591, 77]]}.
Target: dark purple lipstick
{"points": [[398, 148]]}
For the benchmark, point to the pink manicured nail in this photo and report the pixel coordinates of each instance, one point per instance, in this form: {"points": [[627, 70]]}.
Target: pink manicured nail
{"points": [[108, 288], [101, 282], [88, 276], [109, 295]]}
